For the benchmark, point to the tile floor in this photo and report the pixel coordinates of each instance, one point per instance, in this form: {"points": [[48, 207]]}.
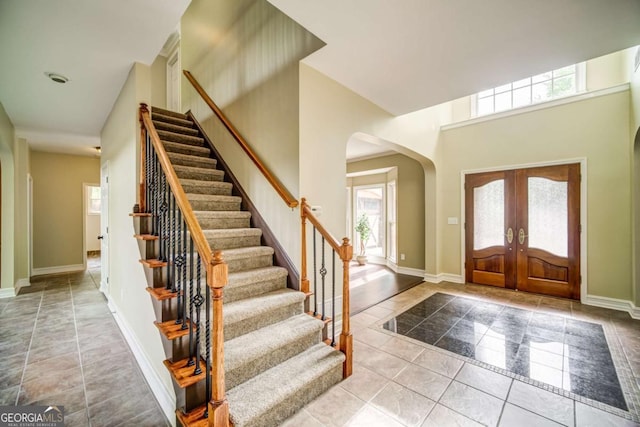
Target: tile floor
{"points": [[400, 381], [60, 345], [567, 353]]}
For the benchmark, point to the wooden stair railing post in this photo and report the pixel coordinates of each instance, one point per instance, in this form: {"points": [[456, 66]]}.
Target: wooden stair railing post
{"points": [[346, 338], [345, 251], [142, 187], [304, 280], [218, 406], [275, 183]]}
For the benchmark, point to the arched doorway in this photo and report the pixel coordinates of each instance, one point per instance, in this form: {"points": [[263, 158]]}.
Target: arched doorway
{"points": [[392, 189]]}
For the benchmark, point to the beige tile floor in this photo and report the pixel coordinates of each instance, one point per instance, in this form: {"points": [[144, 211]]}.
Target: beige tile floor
{"points": [[60, 345], [398, 381]]}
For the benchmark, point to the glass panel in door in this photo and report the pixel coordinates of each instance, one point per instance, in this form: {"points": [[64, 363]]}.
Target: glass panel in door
{"points": [[488, 219], [548, 216]]}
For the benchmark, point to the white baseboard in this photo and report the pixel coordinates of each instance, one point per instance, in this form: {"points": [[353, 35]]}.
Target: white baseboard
{"points": [[444, 277], [165, 397], [58, 269], [22, 283], [405, 270], [7, 292], [613, 304]]}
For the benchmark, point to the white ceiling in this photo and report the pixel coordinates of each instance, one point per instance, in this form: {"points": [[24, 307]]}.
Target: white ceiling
{"points": [[412, 54], [92, 42], [401, 55]]}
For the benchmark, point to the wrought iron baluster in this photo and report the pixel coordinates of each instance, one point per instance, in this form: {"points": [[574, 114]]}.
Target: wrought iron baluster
{"points": [[179, 266], [323, 274], [333, 298], [184, 273], [198, 300], [154, 193], [208, 348], [191, 303], [172, 239], [315, 275]]}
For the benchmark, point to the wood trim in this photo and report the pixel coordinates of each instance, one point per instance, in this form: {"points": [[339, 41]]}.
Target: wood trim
{"points": [[281, 258], [345, 251], [275, 183]]}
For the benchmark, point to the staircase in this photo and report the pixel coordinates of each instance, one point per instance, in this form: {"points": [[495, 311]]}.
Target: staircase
{"points": [[275, 357]]}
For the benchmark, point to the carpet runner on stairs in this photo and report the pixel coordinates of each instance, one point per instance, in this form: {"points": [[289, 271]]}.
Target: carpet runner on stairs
{"points": [[275, 360]]}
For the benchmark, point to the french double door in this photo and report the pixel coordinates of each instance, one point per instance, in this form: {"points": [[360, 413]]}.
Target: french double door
{"points": [[523, 229]]}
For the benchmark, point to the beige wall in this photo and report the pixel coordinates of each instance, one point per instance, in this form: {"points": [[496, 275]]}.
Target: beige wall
{"points": [[410, 203], [595, 129], [127, 282], [7, 136], [58, 208], [245, 54], [159, 82], [21, 163], [633, 76]]}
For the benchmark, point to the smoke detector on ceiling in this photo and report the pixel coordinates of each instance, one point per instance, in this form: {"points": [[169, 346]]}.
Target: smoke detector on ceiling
{"points": [[58, 78]]}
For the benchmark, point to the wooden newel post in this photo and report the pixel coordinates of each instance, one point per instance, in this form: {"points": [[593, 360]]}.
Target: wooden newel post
{"points": [[143, 155], [217, 273], [304, 280], [346, 339]]}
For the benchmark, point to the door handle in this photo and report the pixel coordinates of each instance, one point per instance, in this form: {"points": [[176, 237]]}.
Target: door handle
{"points": [[509, 235], [100, 237], [521, 236]]}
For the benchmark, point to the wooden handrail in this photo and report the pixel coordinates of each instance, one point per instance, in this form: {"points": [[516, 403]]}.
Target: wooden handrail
{"points": [[200, 241], [345, 251], [275, 183], [216, 268]]}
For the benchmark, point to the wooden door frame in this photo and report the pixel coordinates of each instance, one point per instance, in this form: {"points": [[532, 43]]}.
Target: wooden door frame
{"points": [[583, 210]]}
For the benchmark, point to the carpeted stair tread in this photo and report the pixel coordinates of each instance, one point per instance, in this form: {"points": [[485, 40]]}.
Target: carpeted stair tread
{"points": [[170, 119], [190, 150], [181, 138], [211, 220], [170, 127], [196, 186], [214, 202], [192, 160], [271, 397], [251, 354], [230, 238], [248, 283], [248, 258], [202, 174], [169, 113], [249, 314]]}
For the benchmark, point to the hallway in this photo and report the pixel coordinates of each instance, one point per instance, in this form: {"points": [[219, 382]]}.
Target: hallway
{"points": [[61, 346]]}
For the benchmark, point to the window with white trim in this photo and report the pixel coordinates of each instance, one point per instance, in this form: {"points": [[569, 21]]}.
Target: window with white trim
{"points": [[543, 87]]}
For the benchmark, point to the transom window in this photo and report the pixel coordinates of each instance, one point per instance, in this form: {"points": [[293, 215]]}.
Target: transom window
{"points": [[543, 87]]}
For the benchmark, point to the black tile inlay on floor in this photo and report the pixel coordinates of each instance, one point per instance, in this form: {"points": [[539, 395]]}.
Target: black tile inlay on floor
{"points": [[566, 353]]}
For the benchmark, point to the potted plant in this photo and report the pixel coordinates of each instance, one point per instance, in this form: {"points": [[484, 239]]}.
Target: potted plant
{"points": [[364, 231]]}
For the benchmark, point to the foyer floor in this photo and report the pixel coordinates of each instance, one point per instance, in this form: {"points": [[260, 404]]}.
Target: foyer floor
{"points": [[402, 381], [59, 343]]}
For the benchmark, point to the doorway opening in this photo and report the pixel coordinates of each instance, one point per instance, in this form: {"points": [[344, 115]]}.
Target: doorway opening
{"points": [[92, 215], [522, 229]]}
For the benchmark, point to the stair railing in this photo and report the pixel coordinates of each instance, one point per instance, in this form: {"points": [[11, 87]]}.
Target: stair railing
{"points": [[183, 248], [291, 201], [320, 310]]}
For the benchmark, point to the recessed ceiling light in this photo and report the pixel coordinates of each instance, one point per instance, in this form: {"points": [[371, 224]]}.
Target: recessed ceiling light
{"points": [[58, 78]]}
